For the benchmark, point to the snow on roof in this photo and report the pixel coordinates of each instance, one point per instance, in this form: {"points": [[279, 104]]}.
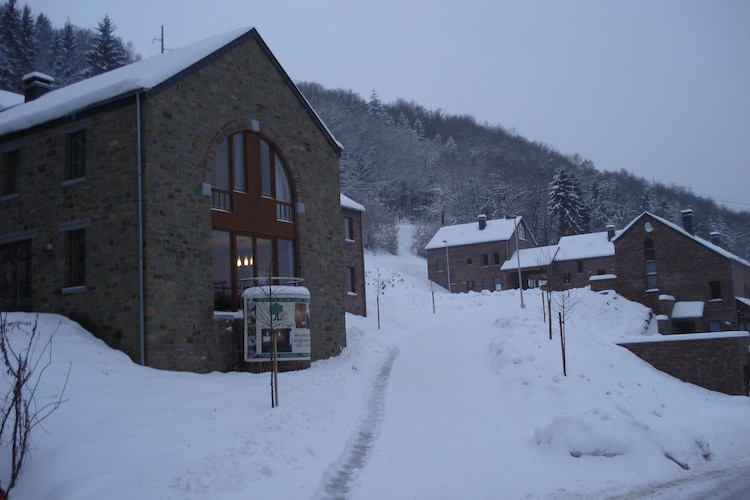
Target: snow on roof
{"points": [[574, 247], [585, 246], [347, 202], [469, 233], [9, 99], [138, 76], [677, 337], [531, 258], [743, 300], [687, 310], [707, 244]]}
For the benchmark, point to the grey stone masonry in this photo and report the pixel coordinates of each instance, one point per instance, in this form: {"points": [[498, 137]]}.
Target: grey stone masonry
{"points": [[241, 83]]}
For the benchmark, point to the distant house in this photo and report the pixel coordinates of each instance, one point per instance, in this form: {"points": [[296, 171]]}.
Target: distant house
{"points": [[692, 284], [572, 263], [472, 254], [354, 260], [143, 201]]}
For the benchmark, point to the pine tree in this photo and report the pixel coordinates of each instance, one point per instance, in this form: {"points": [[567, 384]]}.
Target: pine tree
{"points": [[28, 42], [108, 52], [45, 45], [10, 47], [566, 204], [66, 71]]}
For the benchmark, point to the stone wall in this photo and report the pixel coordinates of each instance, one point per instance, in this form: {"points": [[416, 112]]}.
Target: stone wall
{"points": [[719, 364], [241, 85], [103, 203], [179, 121]]}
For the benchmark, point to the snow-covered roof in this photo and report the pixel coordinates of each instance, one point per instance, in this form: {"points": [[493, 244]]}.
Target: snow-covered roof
{"points": [[743, 300], [574, 247], [585, 246], [687, 310], [347, 202], [697, 239], [139, 76], [470, 234], [531, 258], [9, 99]]}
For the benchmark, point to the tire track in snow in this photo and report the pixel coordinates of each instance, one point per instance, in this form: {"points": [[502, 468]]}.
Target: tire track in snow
{"points": [[337, 483]]}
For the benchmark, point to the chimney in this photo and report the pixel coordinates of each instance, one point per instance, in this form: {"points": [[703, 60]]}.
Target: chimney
{"points": [[716, 238], [35, 85], [482, 221], [687, 221], [610, 232]]}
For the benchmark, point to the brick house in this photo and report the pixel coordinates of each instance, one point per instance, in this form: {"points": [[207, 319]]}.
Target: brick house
{"points": [[693, 285], [572, 263], [141, 202], [354, 260], [473, 253]]}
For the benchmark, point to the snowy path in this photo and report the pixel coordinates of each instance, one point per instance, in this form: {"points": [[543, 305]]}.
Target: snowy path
{"points": [[337, 484], [431, 404]]}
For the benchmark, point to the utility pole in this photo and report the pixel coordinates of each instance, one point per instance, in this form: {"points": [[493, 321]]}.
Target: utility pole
{"points": [[518, 259], [161, 40]]}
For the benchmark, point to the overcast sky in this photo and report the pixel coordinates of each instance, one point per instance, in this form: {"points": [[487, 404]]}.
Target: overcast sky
{"points": [[658, 88]]}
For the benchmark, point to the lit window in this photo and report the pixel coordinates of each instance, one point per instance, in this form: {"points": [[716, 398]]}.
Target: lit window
{"points": [[248, 176]]}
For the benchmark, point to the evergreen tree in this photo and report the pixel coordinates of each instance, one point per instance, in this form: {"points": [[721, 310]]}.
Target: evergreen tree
{"points": [[27, 55], [45, 45], [66, 71], [566, 204], [10, 47], [108, 52]]}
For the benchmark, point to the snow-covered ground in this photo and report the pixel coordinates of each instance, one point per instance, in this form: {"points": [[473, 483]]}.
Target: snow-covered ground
{"points": [[468, 401]]}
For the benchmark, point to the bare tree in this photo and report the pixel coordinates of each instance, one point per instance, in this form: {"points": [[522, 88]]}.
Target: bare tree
{"points": [[24, 369]]}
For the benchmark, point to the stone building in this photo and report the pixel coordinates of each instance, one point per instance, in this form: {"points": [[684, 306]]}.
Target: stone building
{"points": [[143, 201], [472, 254], [574, 262], [693, 285], [354, 261]]}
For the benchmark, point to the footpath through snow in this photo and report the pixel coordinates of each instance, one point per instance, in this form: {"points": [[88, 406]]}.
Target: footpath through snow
{"points": [[468, 401]]}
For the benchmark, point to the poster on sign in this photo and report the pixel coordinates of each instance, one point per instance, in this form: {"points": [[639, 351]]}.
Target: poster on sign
{"points": [[281, 313]]}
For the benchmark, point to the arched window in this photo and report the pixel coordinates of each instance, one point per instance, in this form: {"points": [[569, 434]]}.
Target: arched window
{"points": [[253, 219], [649, 256]]}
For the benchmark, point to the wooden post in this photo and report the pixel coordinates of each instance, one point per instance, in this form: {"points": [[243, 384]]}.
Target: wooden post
{"points": [[562, 343]]}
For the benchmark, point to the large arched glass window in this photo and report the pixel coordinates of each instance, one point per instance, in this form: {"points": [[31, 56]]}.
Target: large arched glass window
{"points": [[253, 220]]}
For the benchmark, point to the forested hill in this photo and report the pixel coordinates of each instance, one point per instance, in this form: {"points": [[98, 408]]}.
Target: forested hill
{"points": [[403, 161]]}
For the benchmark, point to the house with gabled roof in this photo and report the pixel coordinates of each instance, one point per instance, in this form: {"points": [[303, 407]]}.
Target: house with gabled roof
{"points": [[354, 259], [574, 262], [143, 201], [692, 284], [472, 254]]}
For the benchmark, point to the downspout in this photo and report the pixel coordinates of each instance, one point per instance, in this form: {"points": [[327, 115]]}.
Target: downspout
{"points": [[141, 298]]}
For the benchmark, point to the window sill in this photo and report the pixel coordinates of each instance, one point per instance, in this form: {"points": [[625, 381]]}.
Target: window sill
{"points": [[652, 290], [351, 294], [71, 182], [74, 289], [716, 300], [8, 197], [349, 240]]}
